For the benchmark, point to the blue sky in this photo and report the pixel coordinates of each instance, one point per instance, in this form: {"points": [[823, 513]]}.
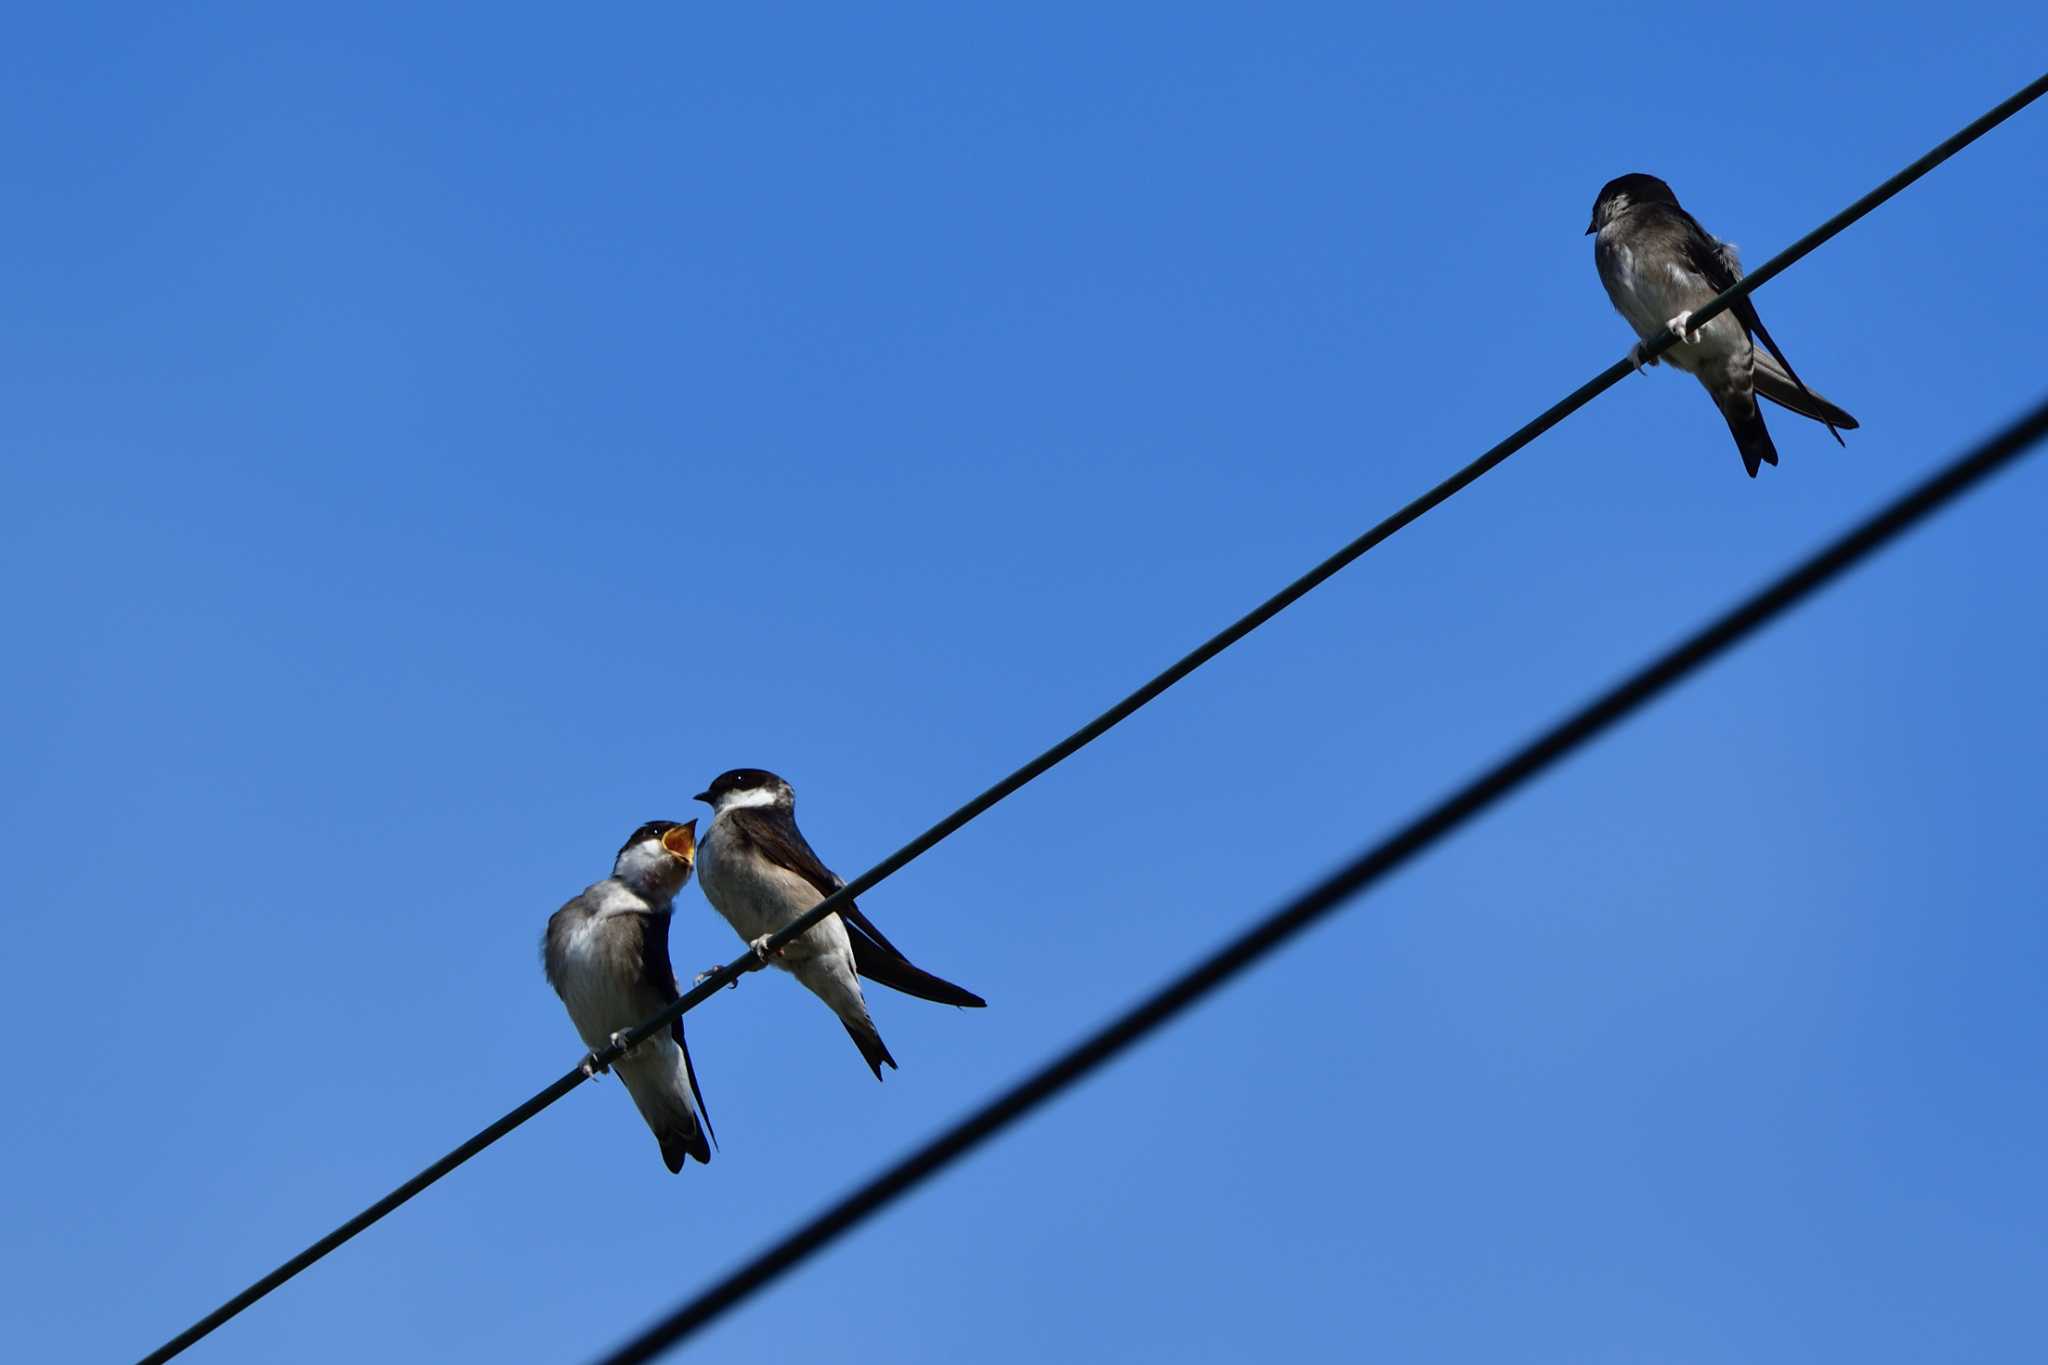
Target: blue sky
{"points": [[437, 442]]}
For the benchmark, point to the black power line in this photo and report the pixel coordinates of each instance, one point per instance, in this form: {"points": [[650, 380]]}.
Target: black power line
{"points": [[1093, 730], [1314, 578], [1311, 906]]}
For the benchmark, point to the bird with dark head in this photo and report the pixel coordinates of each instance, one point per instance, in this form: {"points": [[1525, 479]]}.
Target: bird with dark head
{"points": [[1624, 192], [759, 873], [606, 955], [1659, 267]]}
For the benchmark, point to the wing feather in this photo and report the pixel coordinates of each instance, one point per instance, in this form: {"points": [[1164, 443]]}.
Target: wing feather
{"points": [[1716, 262], [775, 837]]}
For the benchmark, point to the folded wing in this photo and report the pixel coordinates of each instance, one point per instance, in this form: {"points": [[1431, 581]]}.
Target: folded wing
{"points": [[778, 839], [1775, 378]]}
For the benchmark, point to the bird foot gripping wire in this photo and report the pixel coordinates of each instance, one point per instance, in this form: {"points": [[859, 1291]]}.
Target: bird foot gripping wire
{"points": [[593, 1068], [757, 957], [1682, 328]]}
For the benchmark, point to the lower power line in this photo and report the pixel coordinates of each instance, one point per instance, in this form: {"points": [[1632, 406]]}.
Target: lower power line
{"points": [[1311, 906]]}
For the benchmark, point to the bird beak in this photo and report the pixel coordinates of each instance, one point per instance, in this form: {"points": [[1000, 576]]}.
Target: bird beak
{"points": [[1591, 228], [705, 797], [682, 841]]}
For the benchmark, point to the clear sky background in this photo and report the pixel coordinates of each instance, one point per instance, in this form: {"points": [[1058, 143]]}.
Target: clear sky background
{"points": [[435, 443]]}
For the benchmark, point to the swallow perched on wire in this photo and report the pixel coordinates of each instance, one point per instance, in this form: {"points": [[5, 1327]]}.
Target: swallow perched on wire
{"points": [[757, 871], [606, 955], [1659, 265]]}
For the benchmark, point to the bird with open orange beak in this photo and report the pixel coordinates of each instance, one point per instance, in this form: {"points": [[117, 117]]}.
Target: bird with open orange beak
{"points": [[606, 955]]}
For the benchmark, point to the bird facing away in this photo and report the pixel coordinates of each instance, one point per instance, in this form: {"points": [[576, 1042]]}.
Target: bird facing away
{"points": [[606, 955], [1659, 265], [757, 871]]}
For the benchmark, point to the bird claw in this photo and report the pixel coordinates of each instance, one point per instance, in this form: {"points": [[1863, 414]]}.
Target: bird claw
{"points": [[707, 974], [1682, 328], [591, 1067], [1639, 356], [618, 1040], [760, 947]]}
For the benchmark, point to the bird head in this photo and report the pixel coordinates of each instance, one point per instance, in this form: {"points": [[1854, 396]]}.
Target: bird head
{"points": [[747, 787], [1619, 195], [658, 856]]}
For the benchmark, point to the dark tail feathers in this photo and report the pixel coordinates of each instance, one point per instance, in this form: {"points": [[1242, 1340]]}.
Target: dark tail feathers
{"points": [[1752, 437], [1776, 381], [1790, 394], [679, 1140], [899, 975], [872, 1050]]}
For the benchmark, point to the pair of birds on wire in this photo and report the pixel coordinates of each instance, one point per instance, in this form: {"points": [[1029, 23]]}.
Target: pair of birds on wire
{"points": [[606, 951]]}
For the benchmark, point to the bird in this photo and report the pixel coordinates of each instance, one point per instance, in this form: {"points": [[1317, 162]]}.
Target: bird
{"points": [[1659, 266], [606, 955], [757, 872]]}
